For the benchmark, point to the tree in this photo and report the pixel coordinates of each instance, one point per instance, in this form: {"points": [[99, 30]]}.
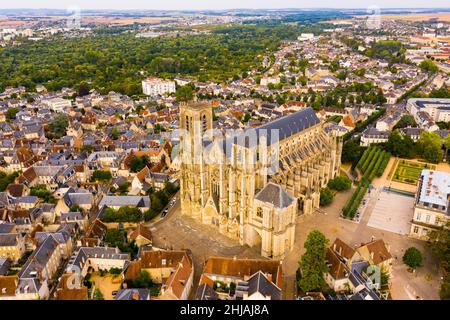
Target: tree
{"points": [[76, 208], [124, 214], [114, 237], [11, 113], [138, 163], [312, 263], [42, 193], [439, 244], [406, 121], [118, 238], [6, 179], [82, 90], [428, 66], [170, 188], [412, 258], [143, 280], [58, 126], [351, 152], [184, 93], [430, 146], [400, 146], [87, 148], [247, 117], [447, 142], [101, 175], [326, 196], [98, 295], [340, 183], [115, 133]]}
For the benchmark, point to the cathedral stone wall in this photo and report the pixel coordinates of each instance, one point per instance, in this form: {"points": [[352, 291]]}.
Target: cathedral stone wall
{"points": [[236, 186]]}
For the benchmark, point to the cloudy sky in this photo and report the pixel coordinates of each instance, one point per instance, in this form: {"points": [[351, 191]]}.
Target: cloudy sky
{"points": [[215, 4]]}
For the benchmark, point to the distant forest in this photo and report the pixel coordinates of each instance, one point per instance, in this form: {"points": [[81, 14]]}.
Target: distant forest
{"points": [[114, 62]]}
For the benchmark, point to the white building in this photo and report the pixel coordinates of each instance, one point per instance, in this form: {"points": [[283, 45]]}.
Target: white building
{"points": [[305, 37], [155, 86], [431, 210], [59, 104], [438, 109]]}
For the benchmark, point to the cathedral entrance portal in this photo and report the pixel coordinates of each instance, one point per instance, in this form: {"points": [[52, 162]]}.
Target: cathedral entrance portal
{"points": [[253, 238]]}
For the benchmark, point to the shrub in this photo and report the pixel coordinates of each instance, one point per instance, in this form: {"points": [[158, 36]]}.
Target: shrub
{"points": [[340, 183], [326, 196], [412, 258]]}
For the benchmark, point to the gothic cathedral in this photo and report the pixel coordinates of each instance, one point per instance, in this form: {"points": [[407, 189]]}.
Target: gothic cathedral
{"points": [[253, 184]]}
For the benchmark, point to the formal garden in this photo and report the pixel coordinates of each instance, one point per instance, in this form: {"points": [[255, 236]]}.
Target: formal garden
{"points": [[409, 171], [372, 164]]}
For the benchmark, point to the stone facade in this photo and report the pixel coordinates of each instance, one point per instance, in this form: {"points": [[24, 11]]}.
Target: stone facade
{"points": [[221, 178]]}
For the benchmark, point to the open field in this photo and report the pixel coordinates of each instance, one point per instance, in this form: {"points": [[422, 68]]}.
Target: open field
{"points": [[409, 172], [415, 17], [119, 21]]}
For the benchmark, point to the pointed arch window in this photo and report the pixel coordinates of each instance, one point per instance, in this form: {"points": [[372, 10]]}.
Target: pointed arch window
{"points": [[187, 123], [204, 123]]}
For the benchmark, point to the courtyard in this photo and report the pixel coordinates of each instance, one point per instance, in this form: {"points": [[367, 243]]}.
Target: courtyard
{"points": [[106, 284], [392, 212]]}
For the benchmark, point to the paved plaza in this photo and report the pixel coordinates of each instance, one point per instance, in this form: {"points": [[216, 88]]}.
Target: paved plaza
{"points": [[392, 212]]}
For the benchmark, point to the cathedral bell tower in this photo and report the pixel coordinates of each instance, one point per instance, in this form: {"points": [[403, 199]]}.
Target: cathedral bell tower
{"points": [[196, 124]]}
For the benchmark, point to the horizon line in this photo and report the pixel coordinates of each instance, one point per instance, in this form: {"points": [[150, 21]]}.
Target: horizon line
{"points": [[227, 9]]}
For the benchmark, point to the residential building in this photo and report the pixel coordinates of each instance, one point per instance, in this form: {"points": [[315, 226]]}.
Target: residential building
{"points": [[431, 208], [240, 279], [155, 86]]}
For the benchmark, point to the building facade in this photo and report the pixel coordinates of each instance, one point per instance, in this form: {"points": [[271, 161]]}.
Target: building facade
{"points": [[155, 86], [431, 209], [252, 185]]}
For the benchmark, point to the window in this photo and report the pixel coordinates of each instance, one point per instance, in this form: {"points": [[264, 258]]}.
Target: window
{"points": [[259, 212], [204, 124], [428, 218], [416, 230], [418, 216], [187, 123]]}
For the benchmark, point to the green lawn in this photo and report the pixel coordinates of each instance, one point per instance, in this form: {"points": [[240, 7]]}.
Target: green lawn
{"points": [[409, 172]]}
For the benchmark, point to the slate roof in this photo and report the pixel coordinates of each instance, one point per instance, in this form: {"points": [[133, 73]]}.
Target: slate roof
{"points": [[133, 294], [4, 200], [259, 283], [8, 239], [39, 258], [5, 263], [6, 227], [275, 194], [84, 253], [205, 292], [244, 267], [122, 201]]}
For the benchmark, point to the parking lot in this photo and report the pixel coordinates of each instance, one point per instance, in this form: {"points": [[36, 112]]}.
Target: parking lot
{"points": [[392, 212]]}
